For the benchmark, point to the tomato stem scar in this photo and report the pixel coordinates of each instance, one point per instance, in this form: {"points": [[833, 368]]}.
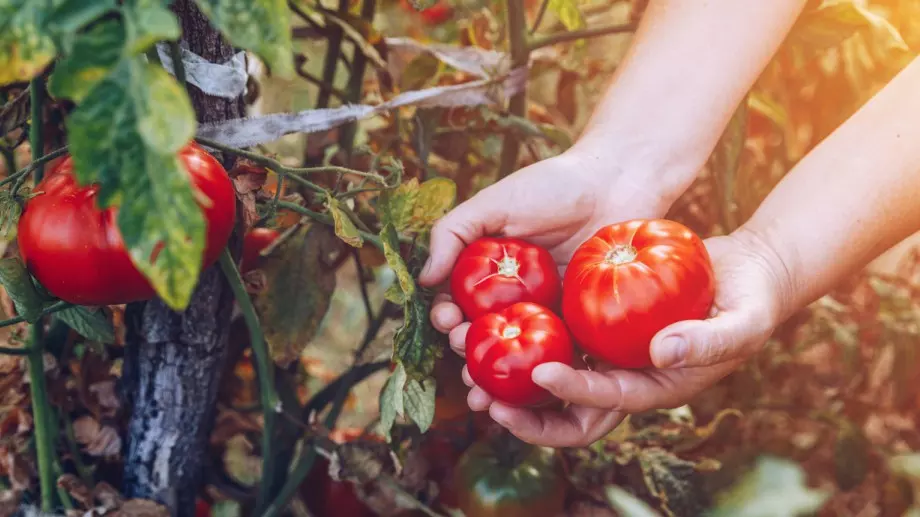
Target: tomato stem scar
{"points": [[511, 332], [621, 254]]}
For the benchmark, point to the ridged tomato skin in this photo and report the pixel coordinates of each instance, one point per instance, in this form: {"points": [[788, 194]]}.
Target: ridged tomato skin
{"points": [[504, 347], [76, 250], [629, 281], [492, 273]]}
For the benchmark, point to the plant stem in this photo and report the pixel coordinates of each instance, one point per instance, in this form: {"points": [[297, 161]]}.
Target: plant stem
{"points": [[540, 14], [44, 445], [520, 55], [327, 219], [175, 52], [564, 37], [36, 138], [331, 62], [264, 367], [58, 306], [32, 166], [356, 80]]}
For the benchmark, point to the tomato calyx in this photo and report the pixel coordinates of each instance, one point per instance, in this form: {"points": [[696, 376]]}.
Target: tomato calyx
{"points": [[508, 267], [511, 332], [621, 254]]}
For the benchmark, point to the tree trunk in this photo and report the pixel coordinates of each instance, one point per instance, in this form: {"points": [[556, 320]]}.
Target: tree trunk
{"points": [[174, 360]]}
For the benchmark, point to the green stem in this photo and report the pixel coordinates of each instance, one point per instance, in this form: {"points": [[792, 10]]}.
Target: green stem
{"points": [[71, 440], [64, 497], [564, 37], [44, 445], [520, 55], [265, 369], [178, 67], [327, 219], [58, 306], [32, 166], [36, 138]]}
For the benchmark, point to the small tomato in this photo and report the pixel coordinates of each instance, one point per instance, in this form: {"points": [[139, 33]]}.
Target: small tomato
{"points": [[629, 281], [493, 273], [509, 478], [325, 496], [503, 348], [255, 241], [76, 250]]}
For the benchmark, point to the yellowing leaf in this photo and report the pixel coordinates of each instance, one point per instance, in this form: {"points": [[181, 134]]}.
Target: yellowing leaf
{"points": [[395, 260], [345, 229], [25, 47], [833, 22], [568, 12], [435, 197], [397, 205]]}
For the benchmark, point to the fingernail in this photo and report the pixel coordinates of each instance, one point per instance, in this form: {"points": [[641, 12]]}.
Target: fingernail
{"points": [[674, 352]]}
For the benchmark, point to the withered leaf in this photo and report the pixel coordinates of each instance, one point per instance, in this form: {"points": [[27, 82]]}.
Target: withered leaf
{"points": [[297, 291], [345, 228], [142, 508], [77, 490], [673, 481]]}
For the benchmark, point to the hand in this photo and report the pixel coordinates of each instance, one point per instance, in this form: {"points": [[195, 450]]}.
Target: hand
{"points": [[752, 285]]}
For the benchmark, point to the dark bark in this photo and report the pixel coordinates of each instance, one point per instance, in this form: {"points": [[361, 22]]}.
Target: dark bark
{"points": [[174, 360]]}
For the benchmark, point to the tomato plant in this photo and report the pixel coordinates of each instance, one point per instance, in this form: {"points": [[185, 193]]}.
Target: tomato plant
{"points": [[509, 478], [629, 281], [493, 273], [326, 497], [503, 348], [255, 241], [76, 250]]}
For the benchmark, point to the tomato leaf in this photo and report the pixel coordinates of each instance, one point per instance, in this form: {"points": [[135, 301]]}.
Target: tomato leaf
{"points": [[262, 26], [673, 481], [628, 505], [395, 261], [568, 12], [149, 21], [69, 16], [93, 55], [18, 284], [296, 293], [345, 228], [125, 136], [396, 205], [391, 400], [419, 402], [10, 210], [834, 22], [395, 294], [774, 488], [26, 48], [89, 323], [414, 208], [419, 72]]}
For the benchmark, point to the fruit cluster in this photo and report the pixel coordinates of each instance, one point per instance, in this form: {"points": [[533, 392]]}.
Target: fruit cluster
{"points": [[622, 286]]}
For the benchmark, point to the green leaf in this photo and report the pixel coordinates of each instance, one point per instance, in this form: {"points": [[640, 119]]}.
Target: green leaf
{"points": [[568, 12], [125, 136], [89, 323], [18, 284], [262, 26], [226, 508], [419, 402], [69, 16], [396, 205], [94, 55], [414, 208], [149, 21], [628, 505], [775, 488], [26, 48], [297, 292], [391, 400], [395, 261], [419, 72], [395, 294], [10, 210], [834, 22], [345, 229]]}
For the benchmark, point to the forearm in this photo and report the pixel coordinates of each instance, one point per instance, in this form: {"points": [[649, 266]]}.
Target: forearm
{"points": [[853, 197], [689, 66]]}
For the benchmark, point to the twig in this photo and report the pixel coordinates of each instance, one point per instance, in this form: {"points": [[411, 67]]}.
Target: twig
{"points": [[58, 306], [520, 55], [32, 166], [264, 367], [331, 62], [539, 19], [327, 219], [564, 37], [362, 282], [310, 78]]}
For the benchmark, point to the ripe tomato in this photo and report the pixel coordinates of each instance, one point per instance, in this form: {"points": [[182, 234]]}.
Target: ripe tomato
{"points": [[255, 241], [629, 281], [75, 249], [503, 348], [202, 508], [509, 479], [493, 273], [325, 496]]}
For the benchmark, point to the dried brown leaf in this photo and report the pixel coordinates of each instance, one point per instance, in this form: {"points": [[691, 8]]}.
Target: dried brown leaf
{"points": [[142, 508], [15, 422], [109, 498], [77, 490]]}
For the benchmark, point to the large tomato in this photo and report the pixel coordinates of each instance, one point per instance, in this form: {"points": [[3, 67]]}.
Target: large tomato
{"points": [[503, 348], [509, 478], [629, 281], [76, 250], [255, 241], [326, 497], [494, 272]]}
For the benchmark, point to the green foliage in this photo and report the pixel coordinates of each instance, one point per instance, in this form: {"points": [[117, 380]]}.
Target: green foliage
{"points": [[774, 488], [19, 287], [345, 228], [89, 322], [568, 12], [25, 46]]}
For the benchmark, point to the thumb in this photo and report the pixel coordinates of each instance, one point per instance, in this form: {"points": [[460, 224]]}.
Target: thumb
{"points": [[726, 337], [470, 220]]}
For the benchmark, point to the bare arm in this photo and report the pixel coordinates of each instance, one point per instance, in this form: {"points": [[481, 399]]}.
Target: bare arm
{"points": [[689, 66], [853, 197]]}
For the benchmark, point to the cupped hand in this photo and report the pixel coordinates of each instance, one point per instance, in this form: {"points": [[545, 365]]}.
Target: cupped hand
{"points": [[751, 287]]}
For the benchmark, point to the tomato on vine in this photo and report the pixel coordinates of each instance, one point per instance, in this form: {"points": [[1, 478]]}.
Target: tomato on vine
{"points": [[503, 348], [255, 241], [493, 273], [76, 250], [629, 281], [505, 477], [325, 496]]}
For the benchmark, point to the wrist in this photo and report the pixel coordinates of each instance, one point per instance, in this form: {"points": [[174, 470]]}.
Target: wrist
{"points": [[767, 254]]}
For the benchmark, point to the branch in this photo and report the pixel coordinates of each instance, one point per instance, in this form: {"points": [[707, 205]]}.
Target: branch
{"points": [[32, 166], [44, 442], [564, 37], [539, 19], [520, 56], [58, 306], [327, 219]]}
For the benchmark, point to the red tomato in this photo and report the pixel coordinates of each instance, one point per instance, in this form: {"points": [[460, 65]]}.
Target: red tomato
{"points": [[493, 273], [503, 348], [434, 15], [75, 249], [255, 241], [629, 281], [326, 497], [202, 508]]}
